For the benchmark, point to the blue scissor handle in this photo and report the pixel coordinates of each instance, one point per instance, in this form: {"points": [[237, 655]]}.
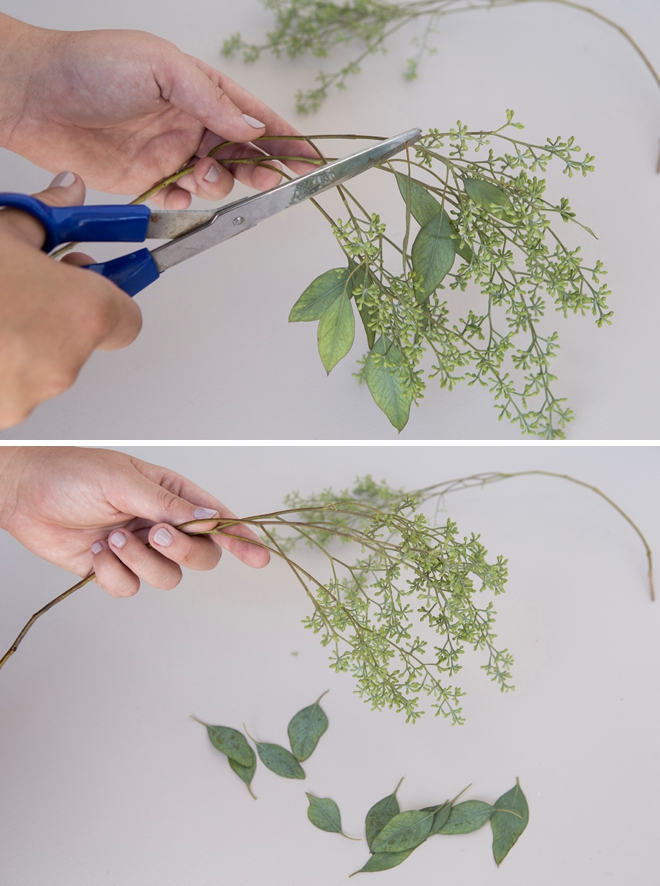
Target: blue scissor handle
{"points": [[132, 273], [99, 224]]}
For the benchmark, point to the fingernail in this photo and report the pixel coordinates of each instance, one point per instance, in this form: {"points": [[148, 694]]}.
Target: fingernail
{"points": [[117, 539], [203, 513], [252, 121], [97, 547], [163, 538], [63, 180], [212, 175]]}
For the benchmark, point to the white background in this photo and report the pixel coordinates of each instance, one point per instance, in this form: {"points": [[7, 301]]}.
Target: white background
{"points": [[217, 358], [105, 779]]}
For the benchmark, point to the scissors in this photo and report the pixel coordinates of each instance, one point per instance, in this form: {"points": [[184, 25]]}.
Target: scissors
{"points": [[188, 231]]}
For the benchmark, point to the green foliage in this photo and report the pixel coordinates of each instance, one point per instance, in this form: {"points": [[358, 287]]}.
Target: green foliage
{"points": [[245, 773], [379, 815], [324, 814], [509, 820], [234, 746], [407, 830], [305, 730], [279, 760], [466, 817], [491, 213]]}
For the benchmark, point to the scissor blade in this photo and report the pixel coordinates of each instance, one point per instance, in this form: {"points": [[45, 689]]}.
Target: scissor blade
{"points": [[244, 214], [166, 224]]}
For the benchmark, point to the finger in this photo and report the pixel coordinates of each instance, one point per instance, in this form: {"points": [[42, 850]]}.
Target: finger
{"points": [[78, 259], [162, 496], [172, 197], [111, 574], [148, 565], [209, 179], [251, 174], [66, 189], [186, 86], [200, 554]]}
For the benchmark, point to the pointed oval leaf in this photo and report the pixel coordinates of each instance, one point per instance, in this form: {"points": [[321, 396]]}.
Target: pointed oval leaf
{"points": [[388, 382], [319, 295], [324, 814], [433, 254], [279, 760], [509, 820], [405, 831], [383, 861], [467, 817], [379, 815], [485, 194], [245, 773], [423, 206], [440, 817], [336, 332], [305, 730], [232, 743]]}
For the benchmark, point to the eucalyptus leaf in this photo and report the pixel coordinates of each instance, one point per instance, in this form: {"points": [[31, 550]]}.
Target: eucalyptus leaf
{"points": [[379, 815], [485, 194], [383, 861], [336, 332], [319, 295], [433, 255], [467, 817], [440, 818], [230, 742], [388, 382], [359, 281], [279, 760], [405, 831], [324, 814], [423, 206], [245, 773], [305, 730], [509, 820]]}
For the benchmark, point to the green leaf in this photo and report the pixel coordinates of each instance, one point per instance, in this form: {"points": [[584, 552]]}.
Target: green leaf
{"points": [[305, 730], [279, 760], [423, 206], [319, 295], [324, 814], [383, 861], [379, 815], [230, 742], [388, 382], [509, 820], [358, 282], [405, 831], [245, 773], [467, 817], [433, 254], [440, 817], [336, 332], [485, 194]]}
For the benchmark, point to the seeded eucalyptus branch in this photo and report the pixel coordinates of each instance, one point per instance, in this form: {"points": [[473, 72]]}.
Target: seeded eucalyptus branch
{"points": [[317, 26], [399, 613]]}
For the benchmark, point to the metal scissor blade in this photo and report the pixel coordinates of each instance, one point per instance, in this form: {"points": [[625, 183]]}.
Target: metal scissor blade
{"points": [[244, 214], [166, 224]]}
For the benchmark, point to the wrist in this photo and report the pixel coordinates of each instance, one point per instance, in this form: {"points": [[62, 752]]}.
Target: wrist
{"points": [[21, 45], [11, 459]]}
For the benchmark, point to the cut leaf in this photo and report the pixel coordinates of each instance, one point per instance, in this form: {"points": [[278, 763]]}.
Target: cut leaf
{"points": [[245, 773], [336, 332], [279, 760], [433, 255], [405, 831], [379, 815], [485, 194], [467, 817], [423, 206], [319, 295], [324, 814], [230, 742], [509, 820], [383, 861], [305, 730], [388, 382]]}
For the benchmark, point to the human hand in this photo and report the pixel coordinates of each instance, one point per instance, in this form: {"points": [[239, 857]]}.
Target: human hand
{"points": [[126, 108], [95, 509], [52, 314]]}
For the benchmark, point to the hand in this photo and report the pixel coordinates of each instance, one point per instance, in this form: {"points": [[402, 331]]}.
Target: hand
{"points": [[126, 108], [94, 509], [52, 314]]}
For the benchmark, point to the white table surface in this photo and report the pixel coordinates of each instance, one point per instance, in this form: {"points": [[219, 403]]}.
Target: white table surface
{"points": [[105, 779], [217, 358]]}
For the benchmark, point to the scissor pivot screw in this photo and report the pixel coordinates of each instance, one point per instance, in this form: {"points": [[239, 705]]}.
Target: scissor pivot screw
{"points": [[239, 220]]}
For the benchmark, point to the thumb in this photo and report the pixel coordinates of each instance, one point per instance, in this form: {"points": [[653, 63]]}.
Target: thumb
{"points": [[190, 89], [66, 189]]}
